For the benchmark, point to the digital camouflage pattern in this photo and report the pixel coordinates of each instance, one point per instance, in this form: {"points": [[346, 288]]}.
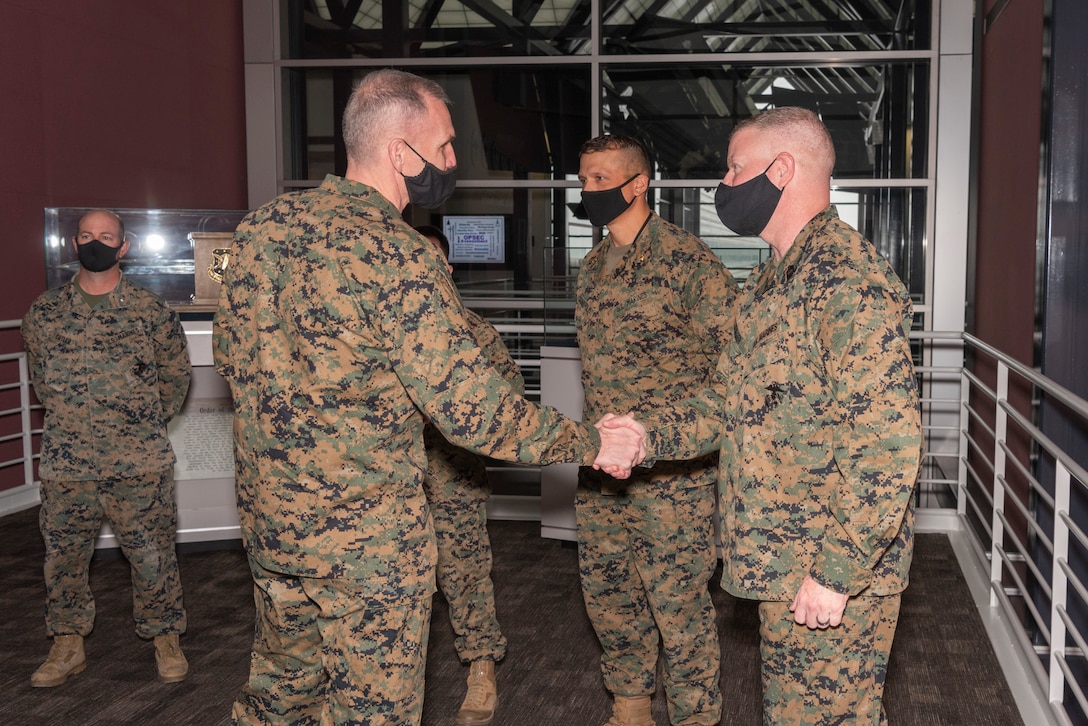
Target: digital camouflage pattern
{"points": [[457, 490], [339, 330], [666, 309], [142, 513], [110, 379], [337, 324], [650, 333], [840, 678], [815, 409], [383, 650]]}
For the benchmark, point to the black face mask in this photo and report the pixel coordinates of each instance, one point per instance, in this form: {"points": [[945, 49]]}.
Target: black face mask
{"points": [[97, 256], [431, 187], [747, 208], [604, 206]]}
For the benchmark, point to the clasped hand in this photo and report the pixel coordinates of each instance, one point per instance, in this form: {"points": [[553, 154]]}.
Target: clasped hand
{"points": [[623, 445], [818, 607]]}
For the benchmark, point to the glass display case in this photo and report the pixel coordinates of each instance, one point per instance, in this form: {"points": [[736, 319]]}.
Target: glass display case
{"points": [[166, 248]]}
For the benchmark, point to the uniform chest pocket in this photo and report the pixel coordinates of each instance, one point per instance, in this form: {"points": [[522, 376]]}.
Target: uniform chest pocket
{"points": [[128, 350], [783, 392], [645, 318]]}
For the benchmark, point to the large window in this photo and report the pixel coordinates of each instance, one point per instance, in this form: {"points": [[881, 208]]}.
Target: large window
{"points": [[531, 81]]}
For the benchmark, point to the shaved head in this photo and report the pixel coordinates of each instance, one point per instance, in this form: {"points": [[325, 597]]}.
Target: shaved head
{"points": [[633, 153], [104, 214], [797, 129]]}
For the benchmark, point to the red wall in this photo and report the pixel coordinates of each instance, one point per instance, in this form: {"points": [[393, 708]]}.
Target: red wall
{"points": [[111, 103], [1010, 128], [1008, 178]]}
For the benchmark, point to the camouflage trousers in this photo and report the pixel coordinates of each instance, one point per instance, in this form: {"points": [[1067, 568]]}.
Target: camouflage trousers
{"points": [[142, 513], [832, 676], [646, 557], [321, 656], [457, 491]]}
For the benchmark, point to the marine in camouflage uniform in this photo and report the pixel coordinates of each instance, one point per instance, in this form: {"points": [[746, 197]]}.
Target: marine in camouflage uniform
{"points": [[457, 491], [111, 370], [654, 307], [340, 331], [815, 410]]}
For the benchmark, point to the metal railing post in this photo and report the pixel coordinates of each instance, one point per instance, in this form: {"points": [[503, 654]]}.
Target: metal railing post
{"points": [[997, 542], [963, 450], [1059, 583], [24, 414]]}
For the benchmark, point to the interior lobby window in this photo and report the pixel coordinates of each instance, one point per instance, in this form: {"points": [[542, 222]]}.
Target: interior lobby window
{"points": [[430, 29], [531, 81]]}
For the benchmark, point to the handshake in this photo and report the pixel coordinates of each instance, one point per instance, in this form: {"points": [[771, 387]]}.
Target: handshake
{"points": [[623, 445]]}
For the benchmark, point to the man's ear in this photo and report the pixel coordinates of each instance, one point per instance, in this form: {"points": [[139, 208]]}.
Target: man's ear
{"points": [[396, 150], [782, 169], [641, 184], [124, 249]]}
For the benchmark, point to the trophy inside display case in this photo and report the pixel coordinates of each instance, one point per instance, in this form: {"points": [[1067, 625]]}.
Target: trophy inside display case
{"points": [[211, 255], [176, 253]]}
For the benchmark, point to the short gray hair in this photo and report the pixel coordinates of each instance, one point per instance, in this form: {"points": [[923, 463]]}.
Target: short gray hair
{"points": [[382, 100]]}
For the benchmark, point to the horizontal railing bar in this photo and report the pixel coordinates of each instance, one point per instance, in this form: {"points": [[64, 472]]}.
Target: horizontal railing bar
{"points": [[1029, 516], [1077, 404], [1020, 634], [1071, 683], [1076, 470], [976, 418], [1029, 561], [1077, 532], [1020, 589], [982, 486], [1076, 583], [1033, 483]]}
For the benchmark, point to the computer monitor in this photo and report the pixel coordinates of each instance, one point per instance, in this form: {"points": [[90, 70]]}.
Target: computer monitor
{"points": [[476, 238]]}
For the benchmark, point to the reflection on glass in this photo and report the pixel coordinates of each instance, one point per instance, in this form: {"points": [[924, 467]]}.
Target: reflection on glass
{"points": [[684, 114], [728, 26], [894, 221], [496, 28], [434, 28], [160, 256], [511, 122]]}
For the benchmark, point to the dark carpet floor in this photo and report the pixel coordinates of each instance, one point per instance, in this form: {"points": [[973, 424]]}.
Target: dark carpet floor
{"points": [[943, 670]]}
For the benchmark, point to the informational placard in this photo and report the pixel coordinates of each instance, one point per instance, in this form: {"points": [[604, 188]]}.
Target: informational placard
{"points": [[476, 238], [202, 438]]}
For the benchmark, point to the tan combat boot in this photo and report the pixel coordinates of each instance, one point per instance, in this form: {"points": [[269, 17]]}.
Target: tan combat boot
{"points": [[66, 658], [482, 699], [171, 661], [631, 711]]}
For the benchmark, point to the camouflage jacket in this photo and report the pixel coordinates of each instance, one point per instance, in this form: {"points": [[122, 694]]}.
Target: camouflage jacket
{"points": [[110, 380], [490, 343], [651, 331], [815, 409], [337, 324], [443, 455]]}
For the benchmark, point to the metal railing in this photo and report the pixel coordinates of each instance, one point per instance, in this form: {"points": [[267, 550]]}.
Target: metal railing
{"points": [[991, 472], [25, 434], [991, 455]]}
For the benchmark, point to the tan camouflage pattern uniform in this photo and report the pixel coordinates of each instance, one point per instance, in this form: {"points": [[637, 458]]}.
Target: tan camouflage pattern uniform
{"points": [[339, 329], [650, 333], [110, 379], [457, 490], [815, 410]]}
